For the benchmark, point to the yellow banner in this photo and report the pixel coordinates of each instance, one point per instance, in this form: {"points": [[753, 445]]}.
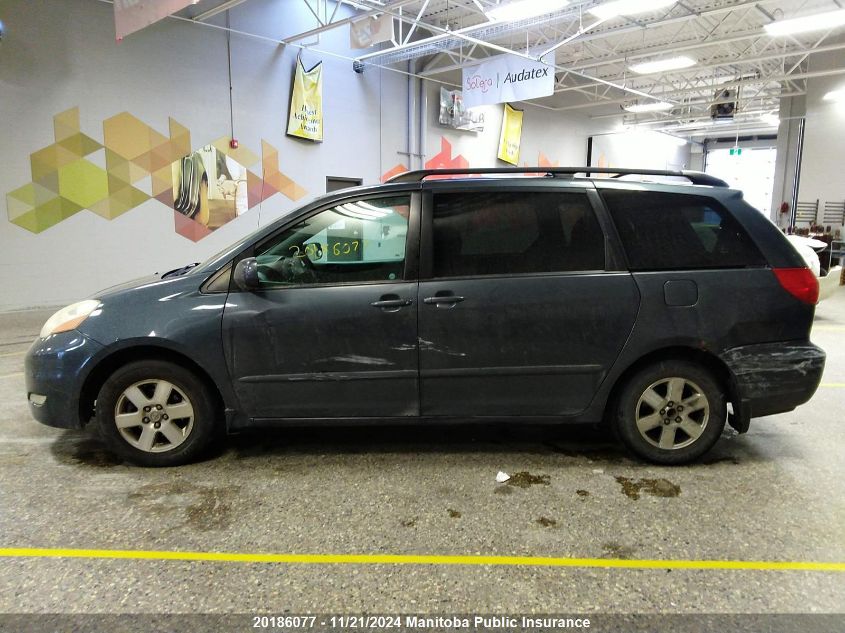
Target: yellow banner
{"points": [[305, 119], [511, 135]]}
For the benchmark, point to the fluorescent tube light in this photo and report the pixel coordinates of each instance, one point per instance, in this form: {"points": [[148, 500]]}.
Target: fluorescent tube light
{"points": [[663, 65], [817, 22], [652, 106], [835, 95], [628, 7], [523, 9]]}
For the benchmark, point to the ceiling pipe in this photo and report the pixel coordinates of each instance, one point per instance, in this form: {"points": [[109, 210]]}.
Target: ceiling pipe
{"points": [[638, 27], [461, 34], [333, 25], [231, 4]]}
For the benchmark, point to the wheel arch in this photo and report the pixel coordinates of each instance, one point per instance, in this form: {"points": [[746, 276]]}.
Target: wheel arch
{"points": [[710, 361], [106, 366]]}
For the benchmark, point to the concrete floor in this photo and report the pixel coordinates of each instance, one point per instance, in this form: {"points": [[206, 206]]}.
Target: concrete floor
{"points": [[773, 494]]}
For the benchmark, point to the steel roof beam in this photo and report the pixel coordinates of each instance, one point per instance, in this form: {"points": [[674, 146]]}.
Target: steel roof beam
{"points": [[732, 62], [806, 75], [229, 4], [610, 33], [354, 18]]}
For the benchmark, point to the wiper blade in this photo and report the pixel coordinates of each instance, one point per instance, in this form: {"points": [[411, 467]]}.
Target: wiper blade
{"points": [[179, 271]]}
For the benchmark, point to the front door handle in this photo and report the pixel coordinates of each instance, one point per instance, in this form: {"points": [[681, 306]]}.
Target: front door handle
{"points": [[391, 303], [443, 299]]}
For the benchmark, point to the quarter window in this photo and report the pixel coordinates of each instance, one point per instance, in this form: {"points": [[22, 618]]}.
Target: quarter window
{"points": [[499, 233], [668, 231], [357, 241]]}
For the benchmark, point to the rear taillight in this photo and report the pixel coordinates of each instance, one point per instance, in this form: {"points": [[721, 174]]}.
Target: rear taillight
{"points": [[801, 283]]}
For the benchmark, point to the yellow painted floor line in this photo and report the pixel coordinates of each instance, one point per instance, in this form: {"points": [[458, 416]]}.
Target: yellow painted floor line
{"points": [[830, 328], [411, 559], [832, 384], [20, 373]]}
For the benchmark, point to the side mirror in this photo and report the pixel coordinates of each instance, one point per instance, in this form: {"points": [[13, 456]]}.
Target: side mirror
{"points": [[246, 274]]}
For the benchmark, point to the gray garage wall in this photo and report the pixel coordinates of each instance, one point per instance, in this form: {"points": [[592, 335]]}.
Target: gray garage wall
{"points": [[61, 54], [824, 135]]}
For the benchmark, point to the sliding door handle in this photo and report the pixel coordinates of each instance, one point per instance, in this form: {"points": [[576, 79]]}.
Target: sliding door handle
{"points": [[443, 299]]}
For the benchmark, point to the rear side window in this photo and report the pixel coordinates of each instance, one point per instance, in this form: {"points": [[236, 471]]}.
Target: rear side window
{"points": [[498, 233], [666, 231]]}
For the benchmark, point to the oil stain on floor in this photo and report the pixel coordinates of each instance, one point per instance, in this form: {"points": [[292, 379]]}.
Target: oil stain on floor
{"points": [[615, 550], [79, 449], [201, 508], [525, 479], [654, 487]]}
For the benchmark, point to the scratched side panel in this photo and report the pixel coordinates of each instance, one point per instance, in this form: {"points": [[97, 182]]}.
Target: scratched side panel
{"points": [[323, 351], [522, 345]]}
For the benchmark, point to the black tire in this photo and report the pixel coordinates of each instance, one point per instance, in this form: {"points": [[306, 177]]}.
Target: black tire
{"points": [[653, 382], [198, 430]]}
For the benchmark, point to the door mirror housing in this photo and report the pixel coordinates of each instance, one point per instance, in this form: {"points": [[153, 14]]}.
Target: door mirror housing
{"points": [[246, 274]]}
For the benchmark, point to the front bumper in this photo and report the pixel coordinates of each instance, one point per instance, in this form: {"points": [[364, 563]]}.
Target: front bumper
{"points": [[55, 370], [775, 377]]}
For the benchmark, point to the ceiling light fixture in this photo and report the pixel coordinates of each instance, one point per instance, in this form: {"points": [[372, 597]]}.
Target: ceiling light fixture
{"points": [[522, 9], [663, 65], [807, 23], [653, 106], [628, 7], [835, 95]]}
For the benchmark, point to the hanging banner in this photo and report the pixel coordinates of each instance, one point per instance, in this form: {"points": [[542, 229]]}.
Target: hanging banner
{"points": [[453, 113], [506, 78], [133, 15], [371, 31], [305, 118], [511, 135]]}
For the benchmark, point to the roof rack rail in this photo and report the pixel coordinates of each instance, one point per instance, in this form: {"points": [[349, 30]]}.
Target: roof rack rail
{"points": [[695, 177]]}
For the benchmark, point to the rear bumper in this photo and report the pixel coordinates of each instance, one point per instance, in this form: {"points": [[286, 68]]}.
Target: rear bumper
{"points": [[775, 377], [55, 369]]}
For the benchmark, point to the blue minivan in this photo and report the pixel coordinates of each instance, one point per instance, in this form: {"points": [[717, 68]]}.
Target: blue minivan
{"points": [[667, 309]]}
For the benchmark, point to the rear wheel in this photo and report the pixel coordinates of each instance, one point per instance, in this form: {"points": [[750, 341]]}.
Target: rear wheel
{"points": [[671, 412], [155, 413]]}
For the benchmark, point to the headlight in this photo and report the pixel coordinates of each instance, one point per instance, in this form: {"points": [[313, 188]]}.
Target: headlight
{"points": [[69, 318]]}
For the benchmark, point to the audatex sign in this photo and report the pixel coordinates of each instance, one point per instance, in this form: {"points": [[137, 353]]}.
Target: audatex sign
{"points": [[506, 78]]}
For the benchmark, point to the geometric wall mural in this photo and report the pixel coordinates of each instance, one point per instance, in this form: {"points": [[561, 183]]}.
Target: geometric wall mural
{"points": [[206, 187], [399, 168], [442, 160], [544, 161], [445, 160]]}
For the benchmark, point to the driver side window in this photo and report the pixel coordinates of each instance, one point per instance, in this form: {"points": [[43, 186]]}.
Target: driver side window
{"points": [[354, 242]]}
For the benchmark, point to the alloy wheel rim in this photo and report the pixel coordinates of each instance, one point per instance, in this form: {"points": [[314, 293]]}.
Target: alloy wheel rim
{"points": [[672, 413], [154, 416]]}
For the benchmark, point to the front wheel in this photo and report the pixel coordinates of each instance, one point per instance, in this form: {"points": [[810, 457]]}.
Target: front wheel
{"points": [[671, 412], [155, 413]]}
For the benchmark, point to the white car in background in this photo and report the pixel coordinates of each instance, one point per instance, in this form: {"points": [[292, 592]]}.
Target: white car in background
{"points": [[809, 249]]}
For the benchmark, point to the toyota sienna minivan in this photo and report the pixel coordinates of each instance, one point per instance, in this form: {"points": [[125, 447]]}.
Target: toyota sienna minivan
{"points": [[667, 309]]}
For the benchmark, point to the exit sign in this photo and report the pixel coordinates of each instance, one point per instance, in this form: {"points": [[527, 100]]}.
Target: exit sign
{"points": [[736, 151]]}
